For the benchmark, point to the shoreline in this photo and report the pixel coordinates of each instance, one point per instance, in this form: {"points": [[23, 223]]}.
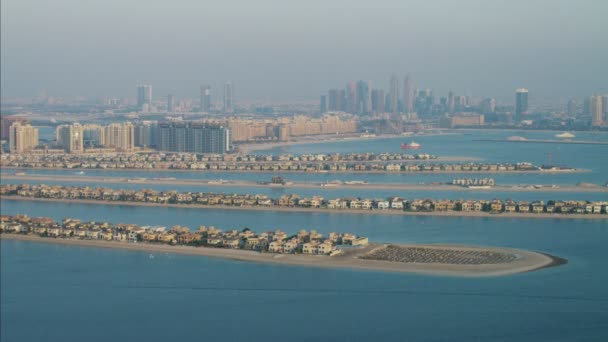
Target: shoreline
{"points": [[526, 261], [305, 185], [316, 210], [249, 147]]}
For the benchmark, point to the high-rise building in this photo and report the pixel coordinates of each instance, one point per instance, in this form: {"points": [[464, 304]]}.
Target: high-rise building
{"points": [[521, 103], [92, 135], [22, 137], [195, 137], [228, 98], [488, 105], [451, 102], [206, 98], [351, 97], [605, 104], [364, 97], [323, 107], [393, 95], [70, 137], [333, 103], [144, 96], [145, 134], [597, 116], [571, 108], [378, 101], [170, 103], [408, 95], [120, 136], [7, 121]]}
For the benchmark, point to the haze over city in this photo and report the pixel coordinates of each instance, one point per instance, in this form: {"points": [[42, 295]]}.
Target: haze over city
{"points": [[287, 51]]}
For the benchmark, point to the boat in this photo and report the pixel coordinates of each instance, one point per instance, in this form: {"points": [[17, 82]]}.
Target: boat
{"points": [[411, 146], [355, 182], [79, 173], [565, 135]]}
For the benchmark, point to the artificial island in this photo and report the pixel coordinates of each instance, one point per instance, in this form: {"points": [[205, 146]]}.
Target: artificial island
{"points": [[305, 248]]}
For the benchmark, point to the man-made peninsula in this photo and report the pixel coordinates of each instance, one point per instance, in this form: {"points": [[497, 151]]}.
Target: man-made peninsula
{"points": [[391, 205], [306, 248]]}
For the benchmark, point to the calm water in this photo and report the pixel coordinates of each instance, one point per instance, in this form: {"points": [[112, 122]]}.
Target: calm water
{"points": [[66, 293]]}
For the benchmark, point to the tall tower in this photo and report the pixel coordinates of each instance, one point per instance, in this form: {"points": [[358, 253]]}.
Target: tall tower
{"points": [[22, 137], [144, 95], [228, 98], [408, 95], [205, 98], [571, 108], [451, 102], [394, 94], [323, 106], [364, 97], [170, 103], [521, 103], [597, 116], [71, 137], [351, 97]]}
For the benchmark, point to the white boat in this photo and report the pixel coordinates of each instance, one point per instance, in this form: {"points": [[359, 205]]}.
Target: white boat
{"points": [[565, 135]]}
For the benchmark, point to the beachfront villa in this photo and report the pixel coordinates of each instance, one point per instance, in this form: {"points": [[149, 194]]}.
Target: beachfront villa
{"points": [[277, 241]]}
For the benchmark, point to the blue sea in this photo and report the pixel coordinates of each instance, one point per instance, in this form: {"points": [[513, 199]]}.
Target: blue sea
{"points": [[67, 293]]}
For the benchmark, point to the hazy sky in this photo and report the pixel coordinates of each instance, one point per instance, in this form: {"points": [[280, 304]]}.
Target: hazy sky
{"points": [[296, 50]]}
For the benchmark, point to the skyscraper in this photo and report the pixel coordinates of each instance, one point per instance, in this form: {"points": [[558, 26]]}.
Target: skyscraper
{"points": [[605, 104], [597, 116], [323, 107], [378, 101], [408, 95], [22, 137], [521, 103], [7, 121], [364, 97], [170, 103], [144, 134], [144, 96], [351, 97], [120, 136], [333, 103], [228, 98], [70, 137], [571, 108], [451, 102], [206, 98], [393, 95]]}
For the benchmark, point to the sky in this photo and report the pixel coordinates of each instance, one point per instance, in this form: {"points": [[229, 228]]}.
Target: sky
{"points": [[282, 50]]}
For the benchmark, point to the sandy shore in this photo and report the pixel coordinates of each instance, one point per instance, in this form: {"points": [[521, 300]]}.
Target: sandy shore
{"points": [[303, 185], [318, 210], [526, 261]]}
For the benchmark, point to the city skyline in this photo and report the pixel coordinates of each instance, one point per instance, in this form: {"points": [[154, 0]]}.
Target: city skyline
{"points": [[280, 66]]}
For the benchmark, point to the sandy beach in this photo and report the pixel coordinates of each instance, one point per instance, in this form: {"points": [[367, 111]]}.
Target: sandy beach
{"points": [[525, 261], [319, 210], [304, 185]]}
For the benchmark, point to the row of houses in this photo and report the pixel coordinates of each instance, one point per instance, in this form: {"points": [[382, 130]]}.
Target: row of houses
{"points": [[294, 164], [277, 241], [192, 157], [295, 201]]}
